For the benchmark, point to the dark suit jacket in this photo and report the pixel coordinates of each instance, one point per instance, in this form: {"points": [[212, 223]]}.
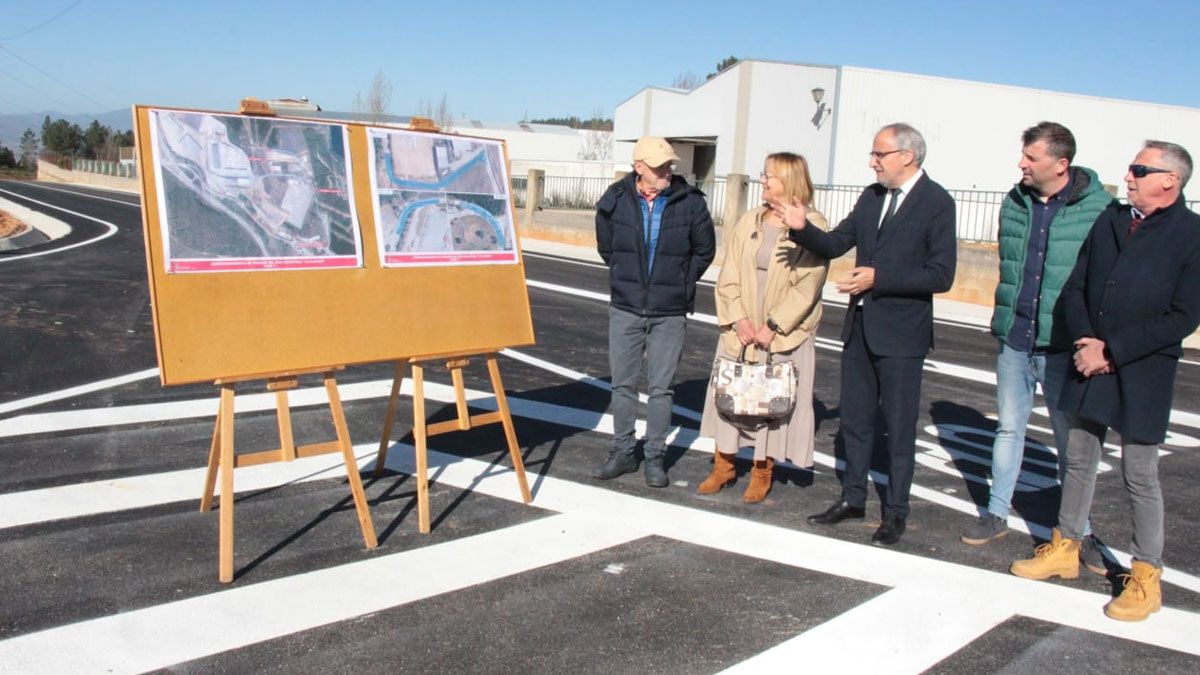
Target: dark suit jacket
{"points": [[1141, 295], [914, 256]]}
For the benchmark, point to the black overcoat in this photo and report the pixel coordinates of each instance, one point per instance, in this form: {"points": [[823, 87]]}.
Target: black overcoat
{"points": [[1141, 296]]}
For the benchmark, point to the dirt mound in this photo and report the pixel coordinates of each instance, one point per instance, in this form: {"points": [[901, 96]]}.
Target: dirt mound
{"points": [[9, 225]]}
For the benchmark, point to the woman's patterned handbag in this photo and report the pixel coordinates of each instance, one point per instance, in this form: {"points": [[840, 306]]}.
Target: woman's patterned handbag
{"points": [[745, 392]]}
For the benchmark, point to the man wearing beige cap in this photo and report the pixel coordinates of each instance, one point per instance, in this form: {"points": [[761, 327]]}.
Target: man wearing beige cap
{"points": [[654, 232]]}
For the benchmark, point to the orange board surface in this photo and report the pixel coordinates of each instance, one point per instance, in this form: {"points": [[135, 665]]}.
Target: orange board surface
{"points": [[217, 320]]}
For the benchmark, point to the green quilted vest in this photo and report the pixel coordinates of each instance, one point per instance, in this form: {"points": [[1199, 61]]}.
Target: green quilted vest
{"points": [[1070, 227]]}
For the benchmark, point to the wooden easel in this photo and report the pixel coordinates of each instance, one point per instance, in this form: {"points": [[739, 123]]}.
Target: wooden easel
{"points": [[422, 430], [221, 455]]}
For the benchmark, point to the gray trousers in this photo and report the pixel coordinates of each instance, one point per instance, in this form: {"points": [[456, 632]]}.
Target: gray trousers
{"points": [[658, 342], [1139, 468]]}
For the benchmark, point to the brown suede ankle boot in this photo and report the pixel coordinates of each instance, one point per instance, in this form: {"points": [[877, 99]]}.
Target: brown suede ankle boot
{"points": [[722, 474], [760, 481]]}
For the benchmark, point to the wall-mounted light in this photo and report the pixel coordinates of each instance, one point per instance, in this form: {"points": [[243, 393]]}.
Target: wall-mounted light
{"points": [[823, 111]]}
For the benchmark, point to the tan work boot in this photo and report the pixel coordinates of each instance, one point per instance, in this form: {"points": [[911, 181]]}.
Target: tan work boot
{"points": [[1058, 558], [760, 481], [1142, 595], [722, 474]]}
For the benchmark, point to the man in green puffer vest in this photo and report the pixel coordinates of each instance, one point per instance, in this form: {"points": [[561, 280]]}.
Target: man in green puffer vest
{"points": [[1043, 221]]}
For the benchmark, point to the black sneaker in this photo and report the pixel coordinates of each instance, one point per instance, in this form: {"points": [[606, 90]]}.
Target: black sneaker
{"points": [[1091, 556], [618, 463], [656, 475], [987, 528]]}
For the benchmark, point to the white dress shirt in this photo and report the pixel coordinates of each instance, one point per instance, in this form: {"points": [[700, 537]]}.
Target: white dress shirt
{"points": [[904, 190]]}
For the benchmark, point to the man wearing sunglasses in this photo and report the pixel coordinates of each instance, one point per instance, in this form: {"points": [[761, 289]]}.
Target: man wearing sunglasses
{"points": [[903, 230], [1128, 304], [1043, 222], [654, 232]]}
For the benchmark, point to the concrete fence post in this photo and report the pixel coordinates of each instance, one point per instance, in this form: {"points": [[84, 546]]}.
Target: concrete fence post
{"points": [[534, 184], [736, 191], [619, 174]]}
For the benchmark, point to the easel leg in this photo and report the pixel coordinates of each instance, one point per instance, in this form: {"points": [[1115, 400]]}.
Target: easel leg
{"points": [[418, 375], [460, 394], [356, 488], [510, 433], [386, 438], [287, 446], [214, 460], [226, 426]]}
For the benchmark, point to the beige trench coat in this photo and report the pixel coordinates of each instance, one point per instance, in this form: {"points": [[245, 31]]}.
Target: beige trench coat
{"points": [[795, 278]]}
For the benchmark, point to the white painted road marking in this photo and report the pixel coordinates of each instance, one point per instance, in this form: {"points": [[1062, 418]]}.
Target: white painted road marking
{"points": [[940, 367], [934, 626], [162, 635], [136, 204], [68, 501], [111, 230], [72, 392], [592, 519]]}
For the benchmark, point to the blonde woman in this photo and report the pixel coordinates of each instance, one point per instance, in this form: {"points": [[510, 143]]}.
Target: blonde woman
{"points": [[768, 299]]}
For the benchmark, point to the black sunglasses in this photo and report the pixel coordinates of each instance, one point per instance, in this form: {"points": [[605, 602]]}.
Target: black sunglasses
{"points": [[1141, 170]]}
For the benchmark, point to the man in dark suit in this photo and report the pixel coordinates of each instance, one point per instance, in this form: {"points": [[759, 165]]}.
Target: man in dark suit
{"points": [[1128, 304], [903, 228]]}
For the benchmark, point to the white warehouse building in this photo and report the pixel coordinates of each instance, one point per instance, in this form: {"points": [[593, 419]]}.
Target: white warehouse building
{"points": [[830, 114]]}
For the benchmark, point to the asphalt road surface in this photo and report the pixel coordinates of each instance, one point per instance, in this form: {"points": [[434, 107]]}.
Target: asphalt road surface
{"points": [[107, 565]]}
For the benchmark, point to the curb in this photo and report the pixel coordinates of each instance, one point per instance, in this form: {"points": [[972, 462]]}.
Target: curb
{"points": [[49, 228]]}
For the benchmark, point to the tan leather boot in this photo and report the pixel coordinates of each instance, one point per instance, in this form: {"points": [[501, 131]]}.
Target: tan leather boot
{"points": [[1058, 558], [760, 481], [1141, 596], [722, 474]]}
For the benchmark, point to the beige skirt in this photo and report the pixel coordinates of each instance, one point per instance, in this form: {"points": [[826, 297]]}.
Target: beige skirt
{"points": [[787, 438]]}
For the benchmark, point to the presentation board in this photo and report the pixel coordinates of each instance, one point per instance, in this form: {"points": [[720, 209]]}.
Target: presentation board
{"points": [[280, 244]]}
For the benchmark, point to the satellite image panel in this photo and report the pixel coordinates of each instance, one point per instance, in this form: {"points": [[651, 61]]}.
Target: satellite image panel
{"points": [[241, 187], [432, 222]]}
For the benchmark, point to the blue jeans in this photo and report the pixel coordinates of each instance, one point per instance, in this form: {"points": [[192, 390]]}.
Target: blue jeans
{"points": [[655, 342], [1017, 375]]}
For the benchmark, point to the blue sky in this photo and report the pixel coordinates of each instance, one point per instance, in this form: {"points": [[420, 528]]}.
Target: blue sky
{"points": [[501, 60]]}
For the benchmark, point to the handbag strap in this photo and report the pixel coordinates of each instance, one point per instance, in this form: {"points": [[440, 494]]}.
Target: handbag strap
{"points": [[742, 355]]}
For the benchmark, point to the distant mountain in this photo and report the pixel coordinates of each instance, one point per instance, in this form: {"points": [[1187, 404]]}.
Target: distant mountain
{"points": [[12, 126]]}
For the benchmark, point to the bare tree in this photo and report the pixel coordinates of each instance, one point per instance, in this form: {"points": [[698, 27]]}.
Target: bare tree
{"points": [[443, 118], [440, 114], [687, 80], [375, 103], [597, 144], [598, 139], [29, 149]]}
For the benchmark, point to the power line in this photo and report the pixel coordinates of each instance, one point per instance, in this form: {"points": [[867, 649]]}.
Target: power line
{"points": [[68, 105], [30, 30], [18, 57]]}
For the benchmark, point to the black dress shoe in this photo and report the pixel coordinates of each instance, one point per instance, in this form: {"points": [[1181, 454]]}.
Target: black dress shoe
{"points": [[889, 531], [836, 514]]}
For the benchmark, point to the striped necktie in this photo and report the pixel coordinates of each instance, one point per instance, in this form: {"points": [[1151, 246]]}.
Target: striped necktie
{"points": [[1134, 224]]}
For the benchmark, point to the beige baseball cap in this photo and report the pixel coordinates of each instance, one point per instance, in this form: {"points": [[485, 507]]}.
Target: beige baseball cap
{"points": [[654, 151]]}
